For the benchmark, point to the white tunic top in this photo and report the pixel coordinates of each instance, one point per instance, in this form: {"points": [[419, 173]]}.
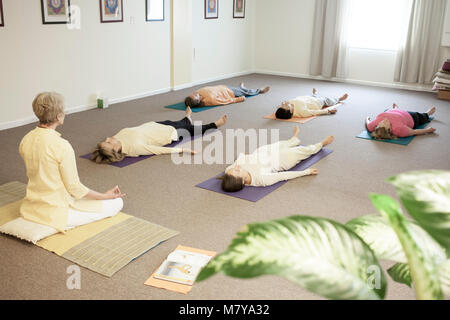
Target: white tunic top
{"points": [[306, 106], [149, 138], [266, 162]]}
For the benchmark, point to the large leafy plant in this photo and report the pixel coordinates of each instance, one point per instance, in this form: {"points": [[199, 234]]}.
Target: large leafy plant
{"points": [[340, 261]]}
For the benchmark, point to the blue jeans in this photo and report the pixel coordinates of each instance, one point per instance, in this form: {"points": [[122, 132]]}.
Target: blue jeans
{"points": [[239, 92], [326, 102]]}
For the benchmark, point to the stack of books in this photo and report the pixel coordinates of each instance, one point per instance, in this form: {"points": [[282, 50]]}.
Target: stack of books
{"points": [[442, 81]]}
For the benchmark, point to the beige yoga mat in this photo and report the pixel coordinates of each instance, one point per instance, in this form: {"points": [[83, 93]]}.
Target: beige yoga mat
{"points": [[12, 192], [104, 246], [297, 120]]}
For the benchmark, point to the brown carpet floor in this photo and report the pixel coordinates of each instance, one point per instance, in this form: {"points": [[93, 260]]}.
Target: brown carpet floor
{"points": [[164, 193]]}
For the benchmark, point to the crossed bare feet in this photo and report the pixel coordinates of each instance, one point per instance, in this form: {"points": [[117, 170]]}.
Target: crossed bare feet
{"points": [[344, 97], [431, 111], [264, 90], [222, 120], [328, 140], [261, 90]]}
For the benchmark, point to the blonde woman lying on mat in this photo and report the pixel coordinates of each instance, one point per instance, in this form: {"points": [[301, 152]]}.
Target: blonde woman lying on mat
{"points": [[396, 123], [308, 106], [55, 196], [149, 138], [221, 95], [269, 164]]}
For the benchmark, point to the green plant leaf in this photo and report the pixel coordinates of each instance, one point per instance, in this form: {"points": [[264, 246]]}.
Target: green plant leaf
{"points": [[426, 196], [444, 275], [401, 273], [320, 255], [376, 231], [379, 235], [422, 263]]}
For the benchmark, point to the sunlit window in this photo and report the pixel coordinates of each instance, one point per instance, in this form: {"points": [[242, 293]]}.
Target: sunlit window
{"points": [[378, 24]]}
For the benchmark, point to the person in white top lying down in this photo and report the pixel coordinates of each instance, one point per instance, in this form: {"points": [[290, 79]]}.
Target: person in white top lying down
{"points": [[269, 164], [150, 139], [308, 106]]}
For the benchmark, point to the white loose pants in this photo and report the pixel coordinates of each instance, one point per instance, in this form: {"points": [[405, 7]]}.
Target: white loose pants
{"points": [[109, 209]]}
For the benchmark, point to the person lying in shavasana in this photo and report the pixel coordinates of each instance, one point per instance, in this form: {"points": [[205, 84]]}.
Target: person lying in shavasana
{"points": [[149, 138], [270, 164], [221, 95], [397, 123], [308, 106], [55, 196]]}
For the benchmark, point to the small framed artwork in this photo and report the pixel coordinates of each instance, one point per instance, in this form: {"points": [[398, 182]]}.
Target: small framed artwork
{"points": [[55, 11], [239, 9], [211, 9], [154, 10], [111, 11], [2, 20]]}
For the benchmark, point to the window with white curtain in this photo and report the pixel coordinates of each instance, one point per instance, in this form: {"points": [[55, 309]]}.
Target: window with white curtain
{"points": [[378, 24]]}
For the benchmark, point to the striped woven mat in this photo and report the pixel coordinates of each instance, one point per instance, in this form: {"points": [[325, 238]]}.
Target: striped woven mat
{"points": [[105, 246]]}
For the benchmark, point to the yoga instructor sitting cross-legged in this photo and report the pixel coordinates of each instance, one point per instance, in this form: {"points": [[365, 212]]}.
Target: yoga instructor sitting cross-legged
{"points": [[55, 196]]}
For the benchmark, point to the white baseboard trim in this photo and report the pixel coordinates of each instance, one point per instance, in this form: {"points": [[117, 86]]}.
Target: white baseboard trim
{"points": [[28, 120], [218, 78], [140, 96], [352, 81], [182, 86]]}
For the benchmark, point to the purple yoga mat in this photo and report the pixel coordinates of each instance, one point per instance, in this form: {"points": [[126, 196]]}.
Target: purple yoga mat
{"points": [[255, 194], [132, 160]]}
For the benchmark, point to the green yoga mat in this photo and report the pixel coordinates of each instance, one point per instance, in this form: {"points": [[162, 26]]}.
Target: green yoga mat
{"points": [[181, 106], [401, 141]]}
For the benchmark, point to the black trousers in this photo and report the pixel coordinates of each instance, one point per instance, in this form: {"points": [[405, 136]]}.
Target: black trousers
{"points": [[185, 125], [419, 118]]}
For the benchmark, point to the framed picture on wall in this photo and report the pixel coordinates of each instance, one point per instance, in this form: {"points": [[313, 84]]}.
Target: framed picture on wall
{"points": [[2, 20], [55, 11], [211, 9], [239, 9], [154, 10], [111, 11]]}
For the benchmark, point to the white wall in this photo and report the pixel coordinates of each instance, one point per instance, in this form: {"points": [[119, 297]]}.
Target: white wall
{"points": [[181, 43], [283, 45], [284, 34], [124, 60], [133, 59], [120, 59], [223, 46]]}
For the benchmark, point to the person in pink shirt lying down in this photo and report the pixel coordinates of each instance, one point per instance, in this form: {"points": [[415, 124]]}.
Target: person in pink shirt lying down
{"points": [[398, 123]]}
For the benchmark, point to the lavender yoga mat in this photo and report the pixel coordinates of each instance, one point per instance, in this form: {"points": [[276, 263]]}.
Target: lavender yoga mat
{"points": [[132, 160], [255, 194]]}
